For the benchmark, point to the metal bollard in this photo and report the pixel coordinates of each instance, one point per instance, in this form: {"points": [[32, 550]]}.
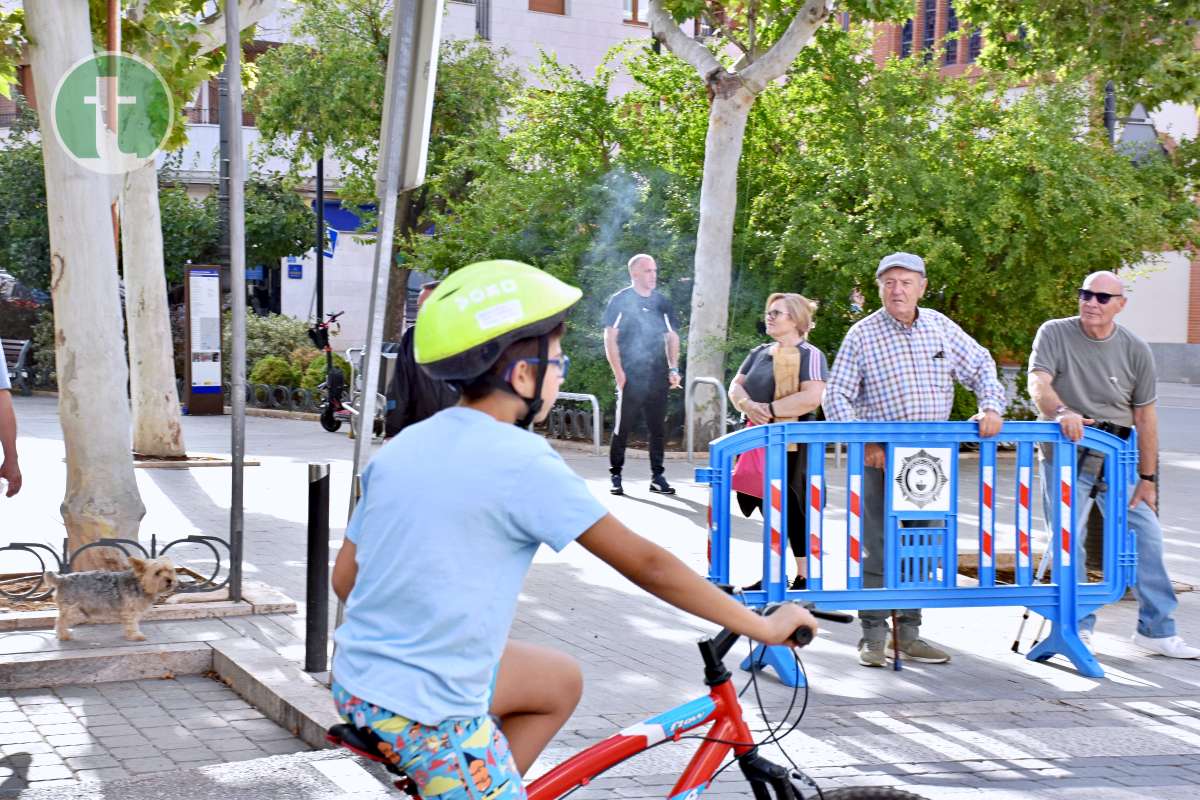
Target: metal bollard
{"points": [[316, 624]]}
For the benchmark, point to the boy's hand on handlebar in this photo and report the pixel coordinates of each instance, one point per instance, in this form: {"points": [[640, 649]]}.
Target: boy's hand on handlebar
{"points": [[778, 627]]}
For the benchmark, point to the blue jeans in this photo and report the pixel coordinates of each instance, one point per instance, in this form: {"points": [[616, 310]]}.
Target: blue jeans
{"points": [[1156, 598]]}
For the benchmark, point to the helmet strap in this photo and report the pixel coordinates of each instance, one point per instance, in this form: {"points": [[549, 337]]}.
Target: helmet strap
{"points": [[535, 404]]}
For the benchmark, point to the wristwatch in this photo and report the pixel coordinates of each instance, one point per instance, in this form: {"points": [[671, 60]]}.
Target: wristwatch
{"points": [[1151, 478]]}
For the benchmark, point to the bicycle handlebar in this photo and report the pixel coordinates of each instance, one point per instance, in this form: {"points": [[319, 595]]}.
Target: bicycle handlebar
{"points": [[804, 635]]}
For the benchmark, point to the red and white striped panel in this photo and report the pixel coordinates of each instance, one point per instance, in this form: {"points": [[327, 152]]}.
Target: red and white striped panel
{"points": [[854, 565], [986, 517], [1024, 520], [814, 527], [1065, 511], [776, 560]]}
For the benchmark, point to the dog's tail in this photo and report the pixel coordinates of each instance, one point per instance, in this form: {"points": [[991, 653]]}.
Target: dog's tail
{"points": [[51, 578]]}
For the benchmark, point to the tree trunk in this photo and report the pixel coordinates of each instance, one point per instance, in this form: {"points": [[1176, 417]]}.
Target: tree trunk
{"points": [[397, 299], [102, 497], [709, 322], [157, 427]]}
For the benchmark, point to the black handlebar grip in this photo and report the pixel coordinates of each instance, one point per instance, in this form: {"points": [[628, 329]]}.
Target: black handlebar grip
{"points": [[802, 636]]}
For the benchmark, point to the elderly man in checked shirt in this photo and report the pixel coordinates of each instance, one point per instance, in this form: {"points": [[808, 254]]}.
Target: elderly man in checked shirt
{"points": [[899, 364]]}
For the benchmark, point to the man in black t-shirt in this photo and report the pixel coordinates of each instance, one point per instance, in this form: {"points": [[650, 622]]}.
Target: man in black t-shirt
{"points": [[643, 350]]}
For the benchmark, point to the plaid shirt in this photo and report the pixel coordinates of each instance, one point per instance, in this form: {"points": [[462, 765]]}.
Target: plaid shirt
{"points": [[887, 372]]}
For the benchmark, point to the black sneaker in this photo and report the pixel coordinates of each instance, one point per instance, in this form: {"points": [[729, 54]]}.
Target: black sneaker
{"points": [[659, 485], [798, 583], [616, 485]]}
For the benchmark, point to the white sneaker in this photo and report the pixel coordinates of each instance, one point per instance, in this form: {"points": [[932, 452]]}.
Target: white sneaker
{"points": [[1169, 646]]}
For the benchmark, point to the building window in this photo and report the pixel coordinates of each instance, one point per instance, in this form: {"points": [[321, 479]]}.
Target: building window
{"points": [[974, 45], [929, 28], [906, 39], [548, 6], [951, 43], [636, 11]]}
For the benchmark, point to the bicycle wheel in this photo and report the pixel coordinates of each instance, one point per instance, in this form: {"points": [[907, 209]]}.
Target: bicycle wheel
{"points": [[870, 793], [328, 421]]}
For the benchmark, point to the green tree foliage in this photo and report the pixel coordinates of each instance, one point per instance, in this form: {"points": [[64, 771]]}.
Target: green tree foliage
{"points": [[328, 100], [314, 375], [274, 371], [190, 230], [1010, 200], [24, 227]]}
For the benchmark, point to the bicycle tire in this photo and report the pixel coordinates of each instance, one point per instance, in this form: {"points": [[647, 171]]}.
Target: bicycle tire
{"points": [[869, 793], [328, 421]]}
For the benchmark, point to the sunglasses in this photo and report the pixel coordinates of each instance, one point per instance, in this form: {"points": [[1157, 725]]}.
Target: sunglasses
{"points": [[776, 314], [563, 363], [1101, 297]]}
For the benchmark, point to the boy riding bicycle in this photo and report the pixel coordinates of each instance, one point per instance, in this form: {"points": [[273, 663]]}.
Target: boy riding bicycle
{"points": [[452, 511]]}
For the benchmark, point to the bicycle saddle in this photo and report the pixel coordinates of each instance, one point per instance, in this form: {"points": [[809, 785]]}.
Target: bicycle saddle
{"points": [[364, 742]]}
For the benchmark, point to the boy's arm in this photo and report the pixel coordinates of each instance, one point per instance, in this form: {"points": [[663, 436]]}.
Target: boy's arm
{"points": [[345, 570], [666, 577]]}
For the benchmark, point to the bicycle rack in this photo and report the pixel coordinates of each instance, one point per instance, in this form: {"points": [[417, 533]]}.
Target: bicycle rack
{"points": [[597, 421], [690, 415]]}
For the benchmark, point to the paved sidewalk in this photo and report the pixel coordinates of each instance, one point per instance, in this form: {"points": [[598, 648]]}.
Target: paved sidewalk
{"points": [[100, 732], [989, 721]]}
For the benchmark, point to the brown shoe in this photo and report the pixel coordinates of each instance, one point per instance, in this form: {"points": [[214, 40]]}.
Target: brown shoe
{"points": [[919, 650]]}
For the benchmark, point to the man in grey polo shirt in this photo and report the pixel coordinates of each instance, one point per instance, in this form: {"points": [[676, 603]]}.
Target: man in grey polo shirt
{"points": [[1088, 368], [9, 471]]}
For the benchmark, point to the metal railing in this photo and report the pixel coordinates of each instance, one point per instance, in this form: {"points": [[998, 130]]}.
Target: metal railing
{"points": [[690, 416], [597, 421]]}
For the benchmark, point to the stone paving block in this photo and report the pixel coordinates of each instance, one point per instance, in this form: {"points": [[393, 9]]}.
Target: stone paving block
{"points": [[51, 784], [7, 717], [55, 718], [58, 730], [103, 774], [124, 739], [73, 751], [47, 773], [133, 752], [281, 746], [91, 762], [26, 748], [194, 755], [142, 766], [19, 737], [229, 745], [23, 726], [245, 713]]}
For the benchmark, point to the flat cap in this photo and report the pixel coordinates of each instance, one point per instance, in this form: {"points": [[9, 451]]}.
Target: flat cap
{"points": [[906, 261]]}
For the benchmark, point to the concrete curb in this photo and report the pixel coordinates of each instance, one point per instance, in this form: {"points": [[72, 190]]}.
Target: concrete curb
{"points": [[103, 665], [256, 599], [278, 688]]}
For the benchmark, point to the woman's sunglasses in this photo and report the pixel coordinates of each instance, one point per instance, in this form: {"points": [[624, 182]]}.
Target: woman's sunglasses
{"points": [[1101, 297]]}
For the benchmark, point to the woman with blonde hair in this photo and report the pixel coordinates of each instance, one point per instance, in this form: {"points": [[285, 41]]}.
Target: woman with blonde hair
{"points": [[783, 381]]}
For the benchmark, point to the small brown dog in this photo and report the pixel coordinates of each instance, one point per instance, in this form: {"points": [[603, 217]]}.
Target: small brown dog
{"points": [[101, 596]]}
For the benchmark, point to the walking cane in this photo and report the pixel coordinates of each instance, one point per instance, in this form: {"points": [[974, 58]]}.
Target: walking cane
{"points": [[895, 643], [1044, 562]]}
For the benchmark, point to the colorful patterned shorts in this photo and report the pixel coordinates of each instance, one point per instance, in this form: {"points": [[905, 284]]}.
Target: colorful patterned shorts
{"points": [[461, 759]]}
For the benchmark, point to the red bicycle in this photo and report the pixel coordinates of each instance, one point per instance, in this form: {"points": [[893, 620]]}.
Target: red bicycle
{"points": [[729, 733]]}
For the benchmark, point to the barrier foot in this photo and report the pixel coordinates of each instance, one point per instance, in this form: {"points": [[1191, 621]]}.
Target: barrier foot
{"points": [[778, 658], [1067, 642]]}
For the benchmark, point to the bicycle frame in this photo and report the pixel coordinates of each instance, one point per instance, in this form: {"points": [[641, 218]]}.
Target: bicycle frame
{"points": [[721, 708]]}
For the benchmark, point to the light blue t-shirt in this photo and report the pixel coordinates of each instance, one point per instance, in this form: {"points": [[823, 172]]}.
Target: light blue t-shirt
{"points": [[4, 384], [451, 513]]}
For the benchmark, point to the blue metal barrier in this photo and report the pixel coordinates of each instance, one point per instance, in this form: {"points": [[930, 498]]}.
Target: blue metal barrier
{"points": [[920, 565]]}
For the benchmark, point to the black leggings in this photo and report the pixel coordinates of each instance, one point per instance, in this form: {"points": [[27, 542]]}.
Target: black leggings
{"points": [[797, 529]]}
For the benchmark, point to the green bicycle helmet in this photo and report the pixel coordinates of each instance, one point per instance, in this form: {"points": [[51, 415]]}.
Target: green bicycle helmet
{"points": [[478, 311]]}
